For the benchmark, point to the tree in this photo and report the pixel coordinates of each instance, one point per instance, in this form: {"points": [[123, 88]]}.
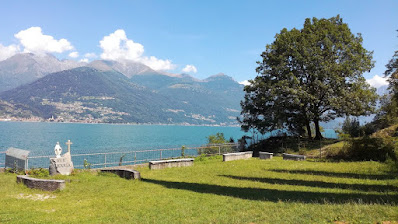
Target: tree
{"points": [[392, 74], [216, 139], [309, 75], [352, 127]]}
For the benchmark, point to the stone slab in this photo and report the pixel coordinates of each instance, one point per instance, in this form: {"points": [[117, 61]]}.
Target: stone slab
{"points": [[237, 156], [293, 157], [265, 155], [124, 173], [42, 184], [63, 165], [161, 164]]}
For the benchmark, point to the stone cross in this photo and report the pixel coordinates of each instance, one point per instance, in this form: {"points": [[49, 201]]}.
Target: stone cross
{"points": [[68, 143]]}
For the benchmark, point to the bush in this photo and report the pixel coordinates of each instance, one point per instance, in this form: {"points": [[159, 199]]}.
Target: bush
{"points": [[38, 173], [368, 148]]}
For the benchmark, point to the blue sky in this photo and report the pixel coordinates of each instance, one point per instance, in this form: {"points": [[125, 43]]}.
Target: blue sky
{"points": [[212, 36]]}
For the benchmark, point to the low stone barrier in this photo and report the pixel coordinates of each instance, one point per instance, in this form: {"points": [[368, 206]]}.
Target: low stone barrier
{"points": [[265, 155], [124, 173], [293, 157], [237, 155], [42, 184], [161, 164]]}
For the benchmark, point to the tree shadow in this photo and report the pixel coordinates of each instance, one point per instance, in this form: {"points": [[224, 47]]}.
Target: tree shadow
{"points": [[333, 174], [321, 184], [274, 195]]}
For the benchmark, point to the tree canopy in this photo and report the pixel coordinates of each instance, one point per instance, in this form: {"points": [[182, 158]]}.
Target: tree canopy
{"points": [[309, 75]]}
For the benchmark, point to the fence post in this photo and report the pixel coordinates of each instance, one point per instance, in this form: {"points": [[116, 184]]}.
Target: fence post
{"points": [[219, 150], [105, 159], [26, 165], [160, 154], [135, 157]]}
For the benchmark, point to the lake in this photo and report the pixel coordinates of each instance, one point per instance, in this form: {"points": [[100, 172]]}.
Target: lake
{"points": [[40, 138]]}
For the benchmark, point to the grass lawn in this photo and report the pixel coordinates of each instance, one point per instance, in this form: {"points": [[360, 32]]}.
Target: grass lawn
{"points": [[211, 191]]}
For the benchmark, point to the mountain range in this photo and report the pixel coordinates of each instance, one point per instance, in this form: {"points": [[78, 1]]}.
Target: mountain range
{"points": [[43, 87]]}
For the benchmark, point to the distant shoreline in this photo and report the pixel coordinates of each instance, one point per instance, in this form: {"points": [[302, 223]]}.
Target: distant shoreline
{"points": [[69, 122]]}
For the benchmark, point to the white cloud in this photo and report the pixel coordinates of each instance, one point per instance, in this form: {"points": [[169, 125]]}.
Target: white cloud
{"points": [[74, 54], [84, 60], [377, 81], [8, 51], [90, 55], [33, 40], [245, 82], [190, 68], [117, 46]]}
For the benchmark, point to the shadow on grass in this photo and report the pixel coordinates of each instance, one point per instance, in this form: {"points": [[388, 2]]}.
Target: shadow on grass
{"points": [[321, 184], [333, 174], [278, 195]]}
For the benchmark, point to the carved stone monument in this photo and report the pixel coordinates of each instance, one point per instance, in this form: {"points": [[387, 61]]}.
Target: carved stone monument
{"points": [[61, 164]]}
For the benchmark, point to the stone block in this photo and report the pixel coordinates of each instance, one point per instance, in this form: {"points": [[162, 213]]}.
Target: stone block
{"points": [[161, 164], [293, 157], [42, 184], [265, 155], [124, 173], [237, 156]]}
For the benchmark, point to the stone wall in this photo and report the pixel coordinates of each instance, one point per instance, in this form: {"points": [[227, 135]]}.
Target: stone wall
{"points": [[42, 184], [237, 156], [161, 164]]}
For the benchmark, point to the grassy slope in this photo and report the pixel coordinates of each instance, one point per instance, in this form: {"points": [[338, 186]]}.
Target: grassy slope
{"points": [[258, 191]]}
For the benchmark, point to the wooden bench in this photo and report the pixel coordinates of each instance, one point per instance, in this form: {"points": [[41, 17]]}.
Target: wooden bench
{"points": [[293, 157], [42, 184], [161, 164], [237, 155], [265, 155], [124, 173]]}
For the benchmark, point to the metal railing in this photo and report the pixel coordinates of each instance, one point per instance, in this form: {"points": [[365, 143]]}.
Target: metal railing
{"points": [[105, 159]]}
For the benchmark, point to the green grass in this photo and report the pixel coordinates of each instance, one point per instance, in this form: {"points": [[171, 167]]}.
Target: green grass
{"points": [[211, 191]]}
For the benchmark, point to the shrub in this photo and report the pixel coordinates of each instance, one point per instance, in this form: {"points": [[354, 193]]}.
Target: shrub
{"points": [[368, 148], [38, 173]]}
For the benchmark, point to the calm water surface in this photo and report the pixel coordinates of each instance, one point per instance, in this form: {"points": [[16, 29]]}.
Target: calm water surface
{"points": [[40, 138]]}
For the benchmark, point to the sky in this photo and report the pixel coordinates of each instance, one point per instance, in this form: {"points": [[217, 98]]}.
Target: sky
{"points": [[201, 38]]}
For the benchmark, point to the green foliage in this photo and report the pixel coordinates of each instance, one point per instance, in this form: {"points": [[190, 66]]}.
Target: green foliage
{"points": [[309, 75], [38, 173], [216, 139], [352, 127], [86, 164], [183, 150], [368, 149]]}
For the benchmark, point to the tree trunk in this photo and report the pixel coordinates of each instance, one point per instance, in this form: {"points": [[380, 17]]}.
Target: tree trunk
{"points": [[307, 124], [318, 134]]}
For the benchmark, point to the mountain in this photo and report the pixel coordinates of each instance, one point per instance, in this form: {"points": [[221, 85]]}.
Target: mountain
{"points": [[106, 95], [26, 67]]}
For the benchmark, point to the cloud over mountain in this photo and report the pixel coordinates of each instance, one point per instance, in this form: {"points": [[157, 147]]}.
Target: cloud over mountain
{"points": [[34, 41], [117, 46], [8, 51], [190, 68]]}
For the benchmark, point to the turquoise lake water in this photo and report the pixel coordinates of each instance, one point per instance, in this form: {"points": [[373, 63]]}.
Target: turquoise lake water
{"points": [[40, 138]]}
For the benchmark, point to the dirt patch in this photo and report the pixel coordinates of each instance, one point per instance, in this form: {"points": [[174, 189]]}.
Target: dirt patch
{"points": [[35, 197]]}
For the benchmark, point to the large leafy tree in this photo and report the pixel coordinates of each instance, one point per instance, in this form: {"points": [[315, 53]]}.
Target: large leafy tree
{"points": [[392, 74], [309, 75]]}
